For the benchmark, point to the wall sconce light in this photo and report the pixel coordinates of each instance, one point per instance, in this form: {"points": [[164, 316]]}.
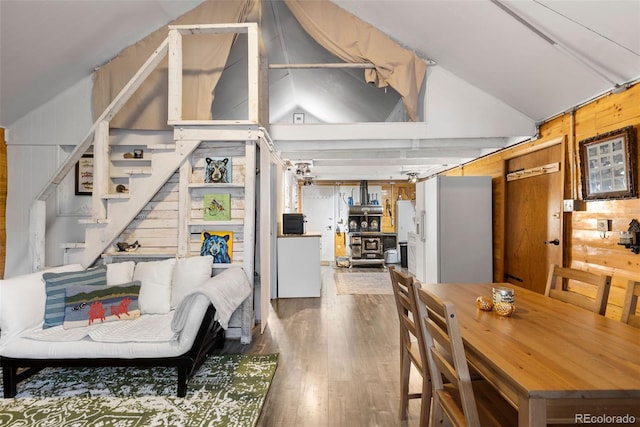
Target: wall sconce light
{"points": [[629, 238], [413, 177]]}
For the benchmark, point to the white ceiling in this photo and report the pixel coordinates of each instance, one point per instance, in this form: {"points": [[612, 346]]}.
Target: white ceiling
{"points": [[537, 57]]}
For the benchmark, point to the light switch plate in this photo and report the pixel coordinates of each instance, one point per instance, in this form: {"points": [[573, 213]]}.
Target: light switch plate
{"points": [[567, 205], [572, 205]]}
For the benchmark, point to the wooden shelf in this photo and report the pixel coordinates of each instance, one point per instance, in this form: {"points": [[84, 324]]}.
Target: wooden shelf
{"points": [[231, 265], [125, 173], [139, 254], [215, 185], [230, 223], [93, 221], [115, 196]]}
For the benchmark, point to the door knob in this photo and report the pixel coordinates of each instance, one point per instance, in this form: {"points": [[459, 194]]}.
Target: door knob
{"points": [[552, 242]]}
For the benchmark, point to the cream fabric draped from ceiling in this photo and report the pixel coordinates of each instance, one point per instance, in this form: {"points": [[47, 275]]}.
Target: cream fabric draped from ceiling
{"points": [[204, 58], [353, 40]]}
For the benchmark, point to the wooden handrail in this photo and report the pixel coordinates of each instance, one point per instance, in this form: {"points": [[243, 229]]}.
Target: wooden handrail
{"points": [[37, 213], [107, 115]]}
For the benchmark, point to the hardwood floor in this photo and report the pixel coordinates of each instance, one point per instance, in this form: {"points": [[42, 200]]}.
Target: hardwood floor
{"points": [[339, 360]]}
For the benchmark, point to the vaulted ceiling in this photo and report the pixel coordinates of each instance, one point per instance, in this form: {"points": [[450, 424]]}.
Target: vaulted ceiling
{"points": [[500, 67]]}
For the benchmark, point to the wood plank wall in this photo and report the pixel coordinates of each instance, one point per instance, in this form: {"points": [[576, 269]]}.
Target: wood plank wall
{"points": [[585, 249]]}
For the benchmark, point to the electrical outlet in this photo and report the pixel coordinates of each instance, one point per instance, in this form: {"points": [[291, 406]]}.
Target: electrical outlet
{"points": [[572, 205], [603, 224]]}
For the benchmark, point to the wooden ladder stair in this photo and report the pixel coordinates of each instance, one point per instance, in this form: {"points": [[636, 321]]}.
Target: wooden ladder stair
{"points": [[118, 210]]}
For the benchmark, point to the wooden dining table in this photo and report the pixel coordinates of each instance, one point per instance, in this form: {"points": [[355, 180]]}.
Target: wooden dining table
{"points": [[553, 361]]}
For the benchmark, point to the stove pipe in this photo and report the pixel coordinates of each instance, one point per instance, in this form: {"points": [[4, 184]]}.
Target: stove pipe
{"points": [[364, 192]]}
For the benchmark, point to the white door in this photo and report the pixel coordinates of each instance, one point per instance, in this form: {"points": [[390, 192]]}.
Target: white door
{"points": [[317, 205]]}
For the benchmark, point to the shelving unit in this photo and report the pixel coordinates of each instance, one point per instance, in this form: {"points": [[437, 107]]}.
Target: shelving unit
{"points": [[161, 205], [193, 189]]}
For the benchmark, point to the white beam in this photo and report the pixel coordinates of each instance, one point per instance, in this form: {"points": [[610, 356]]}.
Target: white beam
{"points": [[393, 144]]}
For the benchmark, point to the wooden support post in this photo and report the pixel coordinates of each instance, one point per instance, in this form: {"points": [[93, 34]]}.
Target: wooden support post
{"points": [[253, 61], [100, 170], [250, 237], [184, 208], [175, 75], [37, 223]]}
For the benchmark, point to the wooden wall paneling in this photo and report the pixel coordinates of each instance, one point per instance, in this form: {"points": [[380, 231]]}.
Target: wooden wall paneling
{"points": [[584, 248], [555, 128]]}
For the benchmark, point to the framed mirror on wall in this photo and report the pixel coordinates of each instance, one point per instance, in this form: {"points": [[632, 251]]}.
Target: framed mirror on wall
{"points": [[608, 165]]}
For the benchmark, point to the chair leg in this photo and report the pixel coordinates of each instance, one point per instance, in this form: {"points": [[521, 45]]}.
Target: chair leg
{"points": [[405, 370], [436, 416], [426, 401]]}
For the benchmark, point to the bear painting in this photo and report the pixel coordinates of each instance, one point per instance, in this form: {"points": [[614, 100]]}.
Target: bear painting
{"points": [[217, 170], [218, 245]]}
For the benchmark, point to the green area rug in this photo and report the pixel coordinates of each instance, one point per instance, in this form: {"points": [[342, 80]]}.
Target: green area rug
{"points": [[226, 391]]}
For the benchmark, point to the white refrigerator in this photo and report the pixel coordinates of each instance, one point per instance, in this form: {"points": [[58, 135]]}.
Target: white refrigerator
{"points": [[405, 219], [454, 230]]}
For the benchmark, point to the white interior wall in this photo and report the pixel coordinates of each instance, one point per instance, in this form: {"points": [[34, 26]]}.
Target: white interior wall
{"points": [[33, 156], [456, 109]]}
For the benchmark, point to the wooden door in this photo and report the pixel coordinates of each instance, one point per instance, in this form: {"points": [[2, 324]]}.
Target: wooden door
{"points": [[533, 238]]}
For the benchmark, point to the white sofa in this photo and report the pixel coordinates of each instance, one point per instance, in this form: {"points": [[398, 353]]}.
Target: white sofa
{"points": [[180, 316]]}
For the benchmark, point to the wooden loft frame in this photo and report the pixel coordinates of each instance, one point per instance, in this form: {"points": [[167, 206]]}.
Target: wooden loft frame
{"points": [[184, 130], [176, 32]]}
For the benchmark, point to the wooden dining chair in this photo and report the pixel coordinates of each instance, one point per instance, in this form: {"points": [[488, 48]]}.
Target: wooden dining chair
{"points": [[463, 401], [411, 353], [558, 287], [629, 315]]}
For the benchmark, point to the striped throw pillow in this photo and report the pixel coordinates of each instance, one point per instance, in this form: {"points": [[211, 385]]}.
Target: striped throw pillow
{"points": [[56, 285]]}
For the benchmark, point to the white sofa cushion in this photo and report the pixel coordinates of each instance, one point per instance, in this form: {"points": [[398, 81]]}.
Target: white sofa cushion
{"points": [[120, 272], [189, 273], [155, 291], [22, 301]]}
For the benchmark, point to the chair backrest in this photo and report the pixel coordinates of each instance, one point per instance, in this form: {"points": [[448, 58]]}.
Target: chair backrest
{"points": [[630, 305], [558, 287], [409, 331], [446, 359]]}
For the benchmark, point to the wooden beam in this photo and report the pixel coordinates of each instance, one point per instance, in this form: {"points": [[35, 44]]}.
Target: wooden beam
{"points": [[325, 65]]}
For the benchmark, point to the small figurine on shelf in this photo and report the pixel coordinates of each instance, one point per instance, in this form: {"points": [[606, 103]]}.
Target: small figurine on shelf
{"points": [[126, 247]]}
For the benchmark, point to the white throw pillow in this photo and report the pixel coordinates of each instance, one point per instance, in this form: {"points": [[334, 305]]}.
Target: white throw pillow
{"points": [[155, 291], [189, 274], [22, 300], [120, 272]]}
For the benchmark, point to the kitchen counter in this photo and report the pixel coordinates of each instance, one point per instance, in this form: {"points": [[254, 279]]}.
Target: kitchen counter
{"points": [[299, 265], [299, 235]]}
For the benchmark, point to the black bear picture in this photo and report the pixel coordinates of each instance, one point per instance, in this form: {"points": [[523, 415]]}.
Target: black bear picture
{"points": [[217, 244], [217, 170]]}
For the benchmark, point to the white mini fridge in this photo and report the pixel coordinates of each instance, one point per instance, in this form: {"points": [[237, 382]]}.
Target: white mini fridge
{"points": [[454, 230]]}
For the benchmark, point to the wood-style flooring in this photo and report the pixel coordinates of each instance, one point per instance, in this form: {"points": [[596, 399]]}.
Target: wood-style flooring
{"points": [[338, 363]]}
